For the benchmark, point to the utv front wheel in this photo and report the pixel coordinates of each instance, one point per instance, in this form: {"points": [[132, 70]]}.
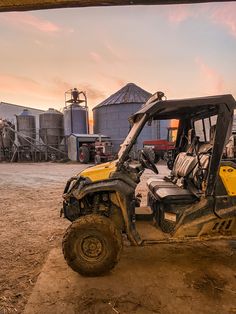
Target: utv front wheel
{"points": [[92, 245]]}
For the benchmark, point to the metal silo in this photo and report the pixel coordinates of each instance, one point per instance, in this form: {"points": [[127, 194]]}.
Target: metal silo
{"points": [[26, 126], [51, 127], [111, 116], [75, 120]]}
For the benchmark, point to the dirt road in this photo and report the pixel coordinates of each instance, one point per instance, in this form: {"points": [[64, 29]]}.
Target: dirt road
{"points": [[30, 227]]}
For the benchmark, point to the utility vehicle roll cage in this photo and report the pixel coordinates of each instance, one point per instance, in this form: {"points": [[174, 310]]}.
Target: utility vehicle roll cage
{"points": [[186, 111]]}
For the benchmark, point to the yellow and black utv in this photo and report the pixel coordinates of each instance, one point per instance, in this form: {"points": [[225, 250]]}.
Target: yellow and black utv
{"points": [[197, 201]]}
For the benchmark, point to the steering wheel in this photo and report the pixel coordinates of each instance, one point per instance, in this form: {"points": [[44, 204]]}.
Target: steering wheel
{"points": [[147, 162]]}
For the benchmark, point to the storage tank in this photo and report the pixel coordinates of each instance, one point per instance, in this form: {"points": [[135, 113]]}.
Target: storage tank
{"points": [[51, 127], [75, 120], [26, 125], [111, 116]]}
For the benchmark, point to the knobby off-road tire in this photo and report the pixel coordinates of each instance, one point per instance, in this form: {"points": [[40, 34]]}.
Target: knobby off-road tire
{"points": [[92, 245]]}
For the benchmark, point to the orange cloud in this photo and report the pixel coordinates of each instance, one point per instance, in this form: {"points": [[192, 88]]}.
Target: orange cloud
{"points": [[212, 80], [59, 86], [25, 88], [94, 95], [27, 20], [18, 84]]}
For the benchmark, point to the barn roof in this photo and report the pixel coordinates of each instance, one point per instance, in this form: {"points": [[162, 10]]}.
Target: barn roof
{"points": [[130, 93], [6, 104]]}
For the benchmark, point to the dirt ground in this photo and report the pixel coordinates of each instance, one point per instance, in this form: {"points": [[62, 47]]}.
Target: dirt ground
{"points": [[164, 279], [30, 228], [30, 225]]}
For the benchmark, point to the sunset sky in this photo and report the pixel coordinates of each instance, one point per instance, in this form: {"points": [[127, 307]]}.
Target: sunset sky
{"points": [[183, 50]]}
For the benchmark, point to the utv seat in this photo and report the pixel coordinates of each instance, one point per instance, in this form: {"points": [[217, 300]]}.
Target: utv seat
{"points": [[156, 182], [167, 191], [183, 166], [172, 191], [175, 194]]}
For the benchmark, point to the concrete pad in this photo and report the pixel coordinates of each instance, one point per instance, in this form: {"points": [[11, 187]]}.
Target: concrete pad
{"points": [[183, 278]]}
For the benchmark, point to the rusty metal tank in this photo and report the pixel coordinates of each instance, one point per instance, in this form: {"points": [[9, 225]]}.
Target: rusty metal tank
{"points": [[75, 120], [51, 127], [7, 136], [26, 125]]}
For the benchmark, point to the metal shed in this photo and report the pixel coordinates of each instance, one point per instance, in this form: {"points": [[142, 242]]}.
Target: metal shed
{"points": [[74, 141], [111, 116]]}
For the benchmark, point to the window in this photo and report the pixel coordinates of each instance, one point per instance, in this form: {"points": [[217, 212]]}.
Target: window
{"points": [[202, 128]]}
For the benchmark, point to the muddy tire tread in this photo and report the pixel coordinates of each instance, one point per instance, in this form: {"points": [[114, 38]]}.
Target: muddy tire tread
{"points": [[85, 222]]}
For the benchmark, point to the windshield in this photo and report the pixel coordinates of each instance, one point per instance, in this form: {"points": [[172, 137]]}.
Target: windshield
{"points": [[131, 138], [203, 126]]}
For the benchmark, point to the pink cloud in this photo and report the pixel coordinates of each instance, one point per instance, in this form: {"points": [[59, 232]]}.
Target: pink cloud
{"points": [[179, 13], [225, 15], [113, 51], [95, 56], [211, 79], [117, 82], [24, 19]]}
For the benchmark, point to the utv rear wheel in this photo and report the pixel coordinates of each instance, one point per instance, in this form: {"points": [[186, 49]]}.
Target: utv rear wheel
{"points": [[92, 245], [84, 154]]}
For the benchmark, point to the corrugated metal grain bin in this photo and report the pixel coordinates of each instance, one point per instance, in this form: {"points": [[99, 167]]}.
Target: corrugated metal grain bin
{"points": [[111, 116], [51, 127], [26, 125], [75, 119]]}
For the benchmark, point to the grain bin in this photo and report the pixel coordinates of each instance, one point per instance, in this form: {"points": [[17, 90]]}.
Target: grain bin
{"points": [[26, 126], [51, 127], [75, 120], [111, 116]]}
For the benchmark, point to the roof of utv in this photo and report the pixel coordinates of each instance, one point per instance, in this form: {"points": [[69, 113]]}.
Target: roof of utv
{"points": [[177, 108]]}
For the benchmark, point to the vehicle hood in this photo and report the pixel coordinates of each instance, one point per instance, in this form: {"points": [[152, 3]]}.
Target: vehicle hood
{"points": [[100, 172]]}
